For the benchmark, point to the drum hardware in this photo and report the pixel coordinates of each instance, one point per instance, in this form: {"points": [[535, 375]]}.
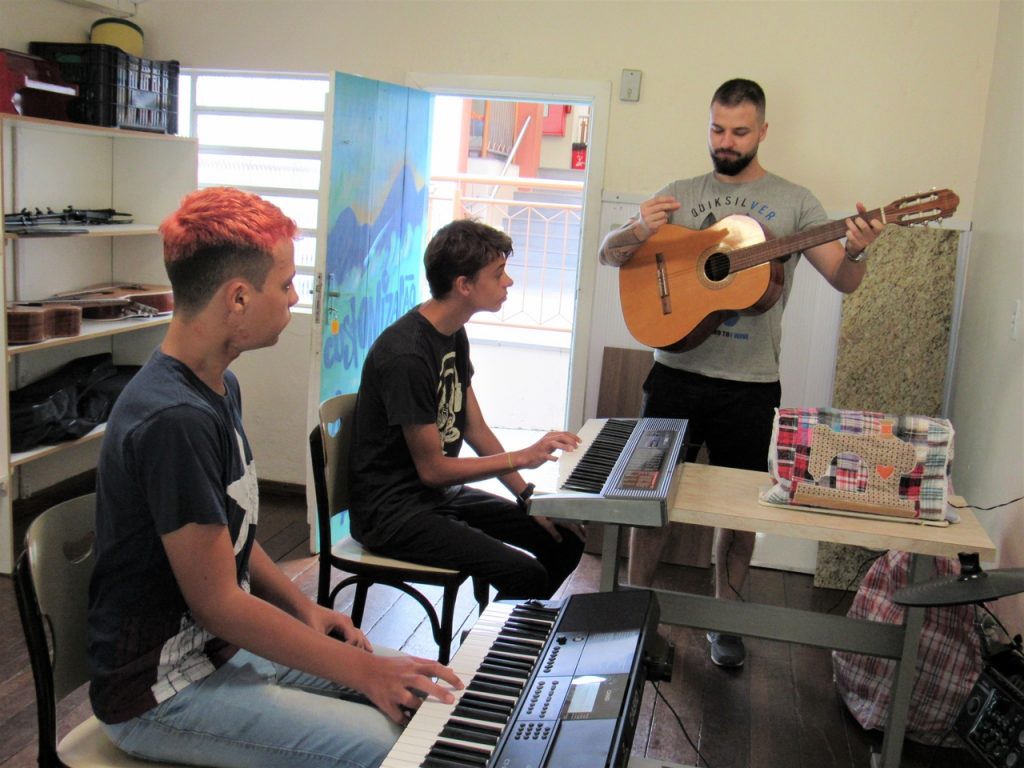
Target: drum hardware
{"points": [[991, 722]]}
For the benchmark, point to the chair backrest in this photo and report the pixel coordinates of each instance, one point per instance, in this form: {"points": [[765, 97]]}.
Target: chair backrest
{"points": [[330, 443], [52, 587]]}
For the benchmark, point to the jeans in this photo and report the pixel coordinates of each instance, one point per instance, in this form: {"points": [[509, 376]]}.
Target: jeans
{"points": [[253, 713]]}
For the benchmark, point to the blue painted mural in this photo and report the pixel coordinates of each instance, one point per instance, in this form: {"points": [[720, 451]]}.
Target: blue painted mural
{"points": [[377, 214]]}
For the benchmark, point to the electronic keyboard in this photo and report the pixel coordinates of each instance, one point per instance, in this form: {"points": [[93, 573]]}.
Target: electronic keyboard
{"points": [[548, 683], [625, 471]]}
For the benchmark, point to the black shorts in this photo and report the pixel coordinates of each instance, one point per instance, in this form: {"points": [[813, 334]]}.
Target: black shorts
{"points": [[733, 418]]}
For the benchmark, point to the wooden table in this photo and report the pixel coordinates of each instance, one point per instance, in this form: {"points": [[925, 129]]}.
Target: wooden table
{"points": [[728, 498]]}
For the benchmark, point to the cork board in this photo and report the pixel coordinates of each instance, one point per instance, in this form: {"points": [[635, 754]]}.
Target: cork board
{"points": [[893, 347]]}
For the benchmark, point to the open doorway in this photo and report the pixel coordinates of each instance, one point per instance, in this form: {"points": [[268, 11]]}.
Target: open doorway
{"points": [[519, 166]]}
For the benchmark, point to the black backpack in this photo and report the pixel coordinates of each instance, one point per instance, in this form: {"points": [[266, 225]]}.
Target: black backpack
{"points": [[68, 403]]}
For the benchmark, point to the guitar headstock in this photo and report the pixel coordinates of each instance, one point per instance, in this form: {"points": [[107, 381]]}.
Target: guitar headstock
{"points": [[921, 208]]}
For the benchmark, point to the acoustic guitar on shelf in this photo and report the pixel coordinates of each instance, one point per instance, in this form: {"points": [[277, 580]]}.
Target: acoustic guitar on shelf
{"points": [[61, 315], [29, 323], [113, 301], [681, 284]]}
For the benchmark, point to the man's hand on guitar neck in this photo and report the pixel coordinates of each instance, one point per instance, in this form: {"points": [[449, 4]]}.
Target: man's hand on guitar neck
{"points": [[836, 262], [655, 212], [860, 233]]}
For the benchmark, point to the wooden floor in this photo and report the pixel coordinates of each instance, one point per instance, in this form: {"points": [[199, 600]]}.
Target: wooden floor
{"points": [[779, 711]]}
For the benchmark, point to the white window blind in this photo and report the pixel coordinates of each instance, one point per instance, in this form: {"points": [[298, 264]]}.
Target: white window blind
{"points": [[261, 132]]}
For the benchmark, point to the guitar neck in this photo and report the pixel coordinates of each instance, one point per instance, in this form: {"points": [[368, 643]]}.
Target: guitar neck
{"points": [[753, 255]]}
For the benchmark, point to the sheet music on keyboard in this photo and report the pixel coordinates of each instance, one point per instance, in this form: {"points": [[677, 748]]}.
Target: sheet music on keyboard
{"points": [[549, 684]]}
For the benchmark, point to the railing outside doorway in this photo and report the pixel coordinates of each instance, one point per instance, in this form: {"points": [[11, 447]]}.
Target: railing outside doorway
{"points": [[543, 218]]}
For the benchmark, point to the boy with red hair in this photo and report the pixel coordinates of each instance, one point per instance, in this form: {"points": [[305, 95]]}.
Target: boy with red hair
{"points": [[202, 651]]}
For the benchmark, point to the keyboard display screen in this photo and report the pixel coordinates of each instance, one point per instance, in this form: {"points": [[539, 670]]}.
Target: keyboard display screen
{"points": [[644, 466]]}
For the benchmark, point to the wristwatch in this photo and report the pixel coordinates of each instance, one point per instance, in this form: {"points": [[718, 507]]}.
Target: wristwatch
{"points": [[858, 258], [524, 496]]}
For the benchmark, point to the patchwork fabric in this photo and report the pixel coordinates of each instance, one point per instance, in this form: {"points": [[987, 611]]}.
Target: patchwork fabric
{"points": [[948, 661], [861, 461]]}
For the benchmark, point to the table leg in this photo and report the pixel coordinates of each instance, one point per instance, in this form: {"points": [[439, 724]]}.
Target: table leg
{"points": [[903, 676], [610, 558]]}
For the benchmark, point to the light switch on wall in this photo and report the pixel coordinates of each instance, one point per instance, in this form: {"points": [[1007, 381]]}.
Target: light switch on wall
{"points": [[630, 88]]}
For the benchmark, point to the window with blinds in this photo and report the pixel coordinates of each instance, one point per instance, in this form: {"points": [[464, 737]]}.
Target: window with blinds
{"points": [[263, 133]]}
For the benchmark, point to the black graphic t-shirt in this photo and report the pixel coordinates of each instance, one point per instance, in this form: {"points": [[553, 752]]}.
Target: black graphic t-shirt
{"points": [[413, 375], [174, 453]]}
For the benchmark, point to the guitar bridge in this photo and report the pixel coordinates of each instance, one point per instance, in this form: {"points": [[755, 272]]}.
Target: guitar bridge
{"points": [[663, 293], [135, 309]]}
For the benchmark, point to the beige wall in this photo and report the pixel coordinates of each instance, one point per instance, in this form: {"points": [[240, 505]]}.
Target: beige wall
{"points": [[988, 400], [866, 100]]}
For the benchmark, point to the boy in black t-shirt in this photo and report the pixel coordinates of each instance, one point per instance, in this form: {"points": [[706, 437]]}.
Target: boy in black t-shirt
{"points": [[415, 409]]}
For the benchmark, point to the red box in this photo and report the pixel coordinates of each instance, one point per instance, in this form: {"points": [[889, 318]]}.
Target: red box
{"points": [[33, 86]]}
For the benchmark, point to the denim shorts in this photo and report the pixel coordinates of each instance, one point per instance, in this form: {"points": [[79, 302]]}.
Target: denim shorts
{"points": [[253, 713]]}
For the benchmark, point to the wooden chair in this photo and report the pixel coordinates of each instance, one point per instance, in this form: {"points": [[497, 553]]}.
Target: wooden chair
{"points": [[51, 582], [329, 445]]}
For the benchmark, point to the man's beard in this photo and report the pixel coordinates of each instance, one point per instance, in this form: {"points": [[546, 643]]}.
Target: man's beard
{"points": [[731, 165]]}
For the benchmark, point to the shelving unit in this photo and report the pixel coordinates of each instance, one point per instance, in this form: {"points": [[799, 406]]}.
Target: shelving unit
{"points": [[48, 163]]}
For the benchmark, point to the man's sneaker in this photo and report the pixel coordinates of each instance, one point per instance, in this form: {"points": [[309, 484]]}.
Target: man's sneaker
{"points": [[727, 650]]}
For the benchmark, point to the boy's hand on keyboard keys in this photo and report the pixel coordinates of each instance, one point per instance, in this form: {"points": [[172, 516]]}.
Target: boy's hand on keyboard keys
{"points": [[543, 450], [398, 684]]}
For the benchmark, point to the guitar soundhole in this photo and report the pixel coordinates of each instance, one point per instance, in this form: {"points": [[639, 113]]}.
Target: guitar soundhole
{"points": [[716, 267]]}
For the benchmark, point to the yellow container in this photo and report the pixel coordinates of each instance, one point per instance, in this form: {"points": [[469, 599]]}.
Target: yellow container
{"points": [[119, 32]]}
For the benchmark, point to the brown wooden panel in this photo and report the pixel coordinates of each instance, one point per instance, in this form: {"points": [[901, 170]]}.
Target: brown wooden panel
{"points": [[622, 377]]}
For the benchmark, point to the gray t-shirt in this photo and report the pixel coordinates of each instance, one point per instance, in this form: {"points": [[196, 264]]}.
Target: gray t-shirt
{"points": [[744, 347]]}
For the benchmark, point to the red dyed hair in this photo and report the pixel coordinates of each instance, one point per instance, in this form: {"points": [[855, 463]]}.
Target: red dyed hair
{"points": [[224, 217]]}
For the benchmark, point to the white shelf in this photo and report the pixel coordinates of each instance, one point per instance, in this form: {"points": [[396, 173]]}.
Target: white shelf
{"points": [[24, 457], [89, 130], [92, 329], [102, 230], [54, 163]]}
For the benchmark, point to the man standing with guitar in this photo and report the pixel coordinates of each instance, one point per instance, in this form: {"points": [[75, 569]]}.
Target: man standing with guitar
{"points": [[724, 376]]}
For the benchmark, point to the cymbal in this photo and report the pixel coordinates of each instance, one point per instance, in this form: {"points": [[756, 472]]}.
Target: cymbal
{"points": [[971, 585]]}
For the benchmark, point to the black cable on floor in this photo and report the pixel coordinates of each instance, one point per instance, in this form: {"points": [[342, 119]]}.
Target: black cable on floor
{"points": [[657, 690]]}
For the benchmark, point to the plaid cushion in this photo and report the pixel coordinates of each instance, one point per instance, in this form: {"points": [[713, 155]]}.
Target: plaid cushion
{"points": [[925, 484]]}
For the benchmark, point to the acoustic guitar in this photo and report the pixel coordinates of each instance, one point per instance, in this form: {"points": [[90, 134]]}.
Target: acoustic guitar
{"points": [[119, 300], [681, 284], [29, 322]]}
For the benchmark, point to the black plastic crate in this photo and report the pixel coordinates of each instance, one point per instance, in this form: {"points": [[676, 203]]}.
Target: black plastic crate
{"points": [[116, 89]]}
